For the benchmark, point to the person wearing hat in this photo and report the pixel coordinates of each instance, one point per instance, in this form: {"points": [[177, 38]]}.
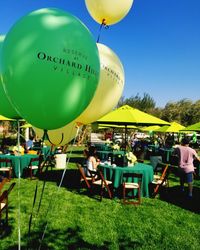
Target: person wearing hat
{"points": [[186, 166]]}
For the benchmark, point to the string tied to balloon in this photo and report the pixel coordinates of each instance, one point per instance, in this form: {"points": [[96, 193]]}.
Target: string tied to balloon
{"points": [[46, 137], [52, 202], [103, 24]]}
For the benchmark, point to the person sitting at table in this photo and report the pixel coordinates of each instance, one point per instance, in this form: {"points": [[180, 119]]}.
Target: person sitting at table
{"points": [[29, 143], [92, 160]]}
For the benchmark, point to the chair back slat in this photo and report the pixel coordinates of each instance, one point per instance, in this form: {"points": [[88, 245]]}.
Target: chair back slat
{"points": [[7, 162], [4, 197], [133, 175], [163, 169], [2, 183], [130, 182], [11, 187], [83, 176], [34, 164], [98, 179], [34, 160], [6, 166], [4, 201]]}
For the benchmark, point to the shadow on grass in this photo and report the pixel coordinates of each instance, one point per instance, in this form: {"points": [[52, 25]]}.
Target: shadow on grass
{"points": [[71, 179], [65, 239], [173, 195], [178, 198], [6, 230], [80, 160], [70, 238]]}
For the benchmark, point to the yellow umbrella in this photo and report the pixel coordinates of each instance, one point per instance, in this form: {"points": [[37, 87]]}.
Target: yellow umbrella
{"points": [[193, 127], [27, 125], [103, 126], [150, 128], [127, 115], [174, 127], [3, 118]]}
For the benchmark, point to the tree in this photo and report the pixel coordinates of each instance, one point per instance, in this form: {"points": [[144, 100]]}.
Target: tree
{"points": [[195, 112], [183, 111], [144, 103]]}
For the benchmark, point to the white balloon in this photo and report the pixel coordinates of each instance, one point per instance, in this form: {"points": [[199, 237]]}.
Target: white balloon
{"points": [[109, 89]]}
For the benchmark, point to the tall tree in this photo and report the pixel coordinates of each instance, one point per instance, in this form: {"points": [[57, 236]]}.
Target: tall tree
{"points": [[144, 103], [183, 111], [170, 112]]}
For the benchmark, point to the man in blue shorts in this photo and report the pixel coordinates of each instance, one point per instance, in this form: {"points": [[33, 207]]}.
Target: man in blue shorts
{"points": [[186, 167]]}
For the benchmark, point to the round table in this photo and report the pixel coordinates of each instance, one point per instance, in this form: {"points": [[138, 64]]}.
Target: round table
{"points": [[104, 155], [19, 162], [115, 175]]}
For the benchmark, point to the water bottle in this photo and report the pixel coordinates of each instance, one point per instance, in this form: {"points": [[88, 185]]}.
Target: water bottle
{"points": [[109, 160]]}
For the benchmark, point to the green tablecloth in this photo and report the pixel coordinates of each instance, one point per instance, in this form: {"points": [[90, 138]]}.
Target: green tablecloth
{"points": [[166, 153], [104, 155], [19, 163], [154, 148], [102, 146], [115, 175]]}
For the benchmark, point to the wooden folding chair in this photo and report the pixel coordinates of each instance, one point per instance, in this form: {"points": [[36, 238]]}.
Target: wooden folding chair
{"points": [[4, 202], [99, 180], [6, 167], [84, 180], [47, 162], [160, 178], [2, 183], [130, 183], [33, 166], [11, 187]]}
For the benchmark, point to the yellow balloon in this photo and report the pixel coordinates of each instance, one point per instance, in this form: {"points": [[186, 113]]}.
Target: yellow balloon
{"points": [[59, 137], [108, 11], [109, 89]]}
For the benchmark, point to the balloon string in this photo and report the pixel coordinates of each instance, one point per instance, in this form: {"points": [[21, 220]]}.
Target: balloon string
{"points": [[41, 196], [50, 207], [103, 24], [61, 139], [46, 137], [46, 162], [19, 186], [31, 216]]}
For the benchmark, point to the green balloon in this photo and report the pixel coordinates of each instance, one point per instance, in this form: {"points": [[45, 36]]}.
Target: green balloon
{"points": [[6, 108], [51, 67]]}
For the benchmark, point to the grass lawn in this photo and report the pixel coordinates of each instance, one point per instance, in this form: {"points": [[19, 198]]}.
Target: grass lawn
{"points": [[75, 221]]}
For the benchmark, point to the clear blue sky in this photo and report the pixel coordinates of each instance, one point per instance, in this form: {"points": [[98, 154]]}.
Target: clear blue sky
{"points": [[158, 43]]}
